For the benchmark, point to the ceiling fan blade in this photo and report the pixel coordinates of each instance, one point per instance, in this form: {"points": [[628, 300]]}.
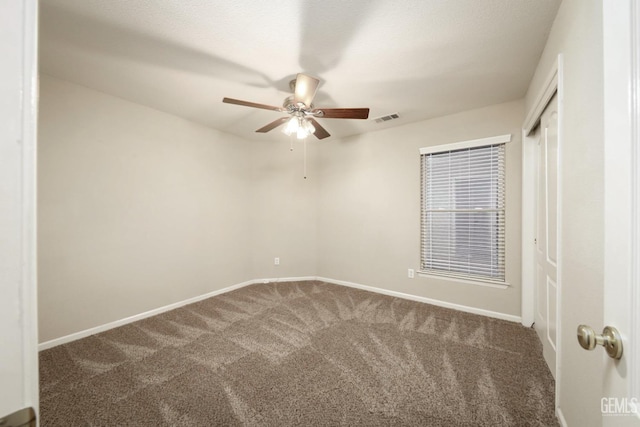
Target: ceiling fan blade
{"points": [[320, 132], [274, 124], [251, 104], [344, 113], [306, 87]]}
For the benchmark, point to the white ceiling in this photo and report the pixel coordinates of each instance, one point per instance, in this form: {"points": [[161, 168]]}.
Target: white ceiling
{"points": [[419, 58]]}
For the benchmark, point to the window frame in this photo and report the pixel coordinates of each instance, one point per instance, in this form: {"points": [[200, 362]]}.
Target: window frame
{"points": [[456, 276]]}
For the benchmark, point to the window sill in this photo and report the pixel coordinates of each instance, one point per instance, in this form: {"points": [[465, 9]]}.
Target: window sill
{"points": [[496, 285]]}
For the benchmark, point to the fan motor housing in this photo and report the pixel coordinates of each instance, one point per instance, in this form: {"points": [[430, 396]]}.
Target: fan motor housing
{"points": [[290, 104]]}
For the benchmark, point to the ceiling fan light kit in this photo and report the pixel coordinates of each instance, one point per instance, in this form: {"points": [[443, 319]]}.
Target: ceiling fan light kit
{"points": [[299, 126], [301, 110]]}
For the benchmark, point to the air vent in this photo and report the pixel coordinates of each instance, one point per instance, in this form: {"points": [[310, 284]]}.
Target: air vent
{"points": [[387, 118]]}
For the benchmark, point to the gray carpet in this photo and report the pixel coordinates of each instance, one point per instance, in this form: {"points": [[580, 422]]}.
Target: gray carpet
{"points": [[303, 354]]}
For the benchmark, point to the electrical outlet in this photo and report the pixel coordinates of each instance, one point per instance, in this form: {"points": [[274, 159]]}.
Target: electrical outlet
{"points": [[276, 261], [411, 273]]}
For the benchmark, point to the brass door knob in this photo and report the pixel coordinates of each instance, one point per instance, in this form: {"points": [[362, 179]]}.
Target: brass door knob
{"points": [[610, 340]]}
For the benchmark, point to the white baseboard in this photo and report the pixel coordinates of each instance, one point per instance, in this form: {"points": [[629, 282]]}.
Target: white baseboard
{"points": [[560, 417], [92, 331], [285, 279], [445, 304]]}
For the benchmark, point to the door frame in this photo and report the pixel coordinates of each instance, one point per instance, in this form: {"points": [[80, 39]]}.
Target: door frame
{"points": [[621, 50], [18, 137], [635, 143], [552, 85]]}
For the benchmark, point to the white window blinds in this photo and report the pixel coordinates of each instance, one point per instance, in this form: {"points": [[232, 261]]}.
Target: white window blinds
{"points": [[463, 212]]}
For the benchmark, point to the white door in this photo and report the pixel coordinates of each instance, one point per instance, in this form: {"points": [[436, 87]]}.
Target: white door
{"points": [[546, 233], [18, 102], [620, 404]]}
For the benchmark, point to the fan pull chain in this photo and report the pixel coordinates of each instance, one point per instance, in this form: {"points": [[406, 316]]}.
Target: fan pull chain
{"points": [[304, 155], [291, 142]]}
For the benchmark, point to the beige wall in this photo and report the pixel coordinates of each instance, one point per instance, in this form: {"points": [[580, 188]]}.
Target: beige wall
{"points": [[137, 209], [369, 207], [577, 34], [283, 208]]}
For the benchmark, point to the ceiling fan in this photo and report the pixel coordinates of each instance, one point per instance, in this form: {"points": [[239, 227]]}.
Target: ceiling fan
{"points": [[302, 113]]}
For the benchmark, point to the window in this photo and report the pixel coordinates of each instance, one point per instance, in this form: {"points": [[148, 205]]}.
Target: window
{"points": [[463, 209]]}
